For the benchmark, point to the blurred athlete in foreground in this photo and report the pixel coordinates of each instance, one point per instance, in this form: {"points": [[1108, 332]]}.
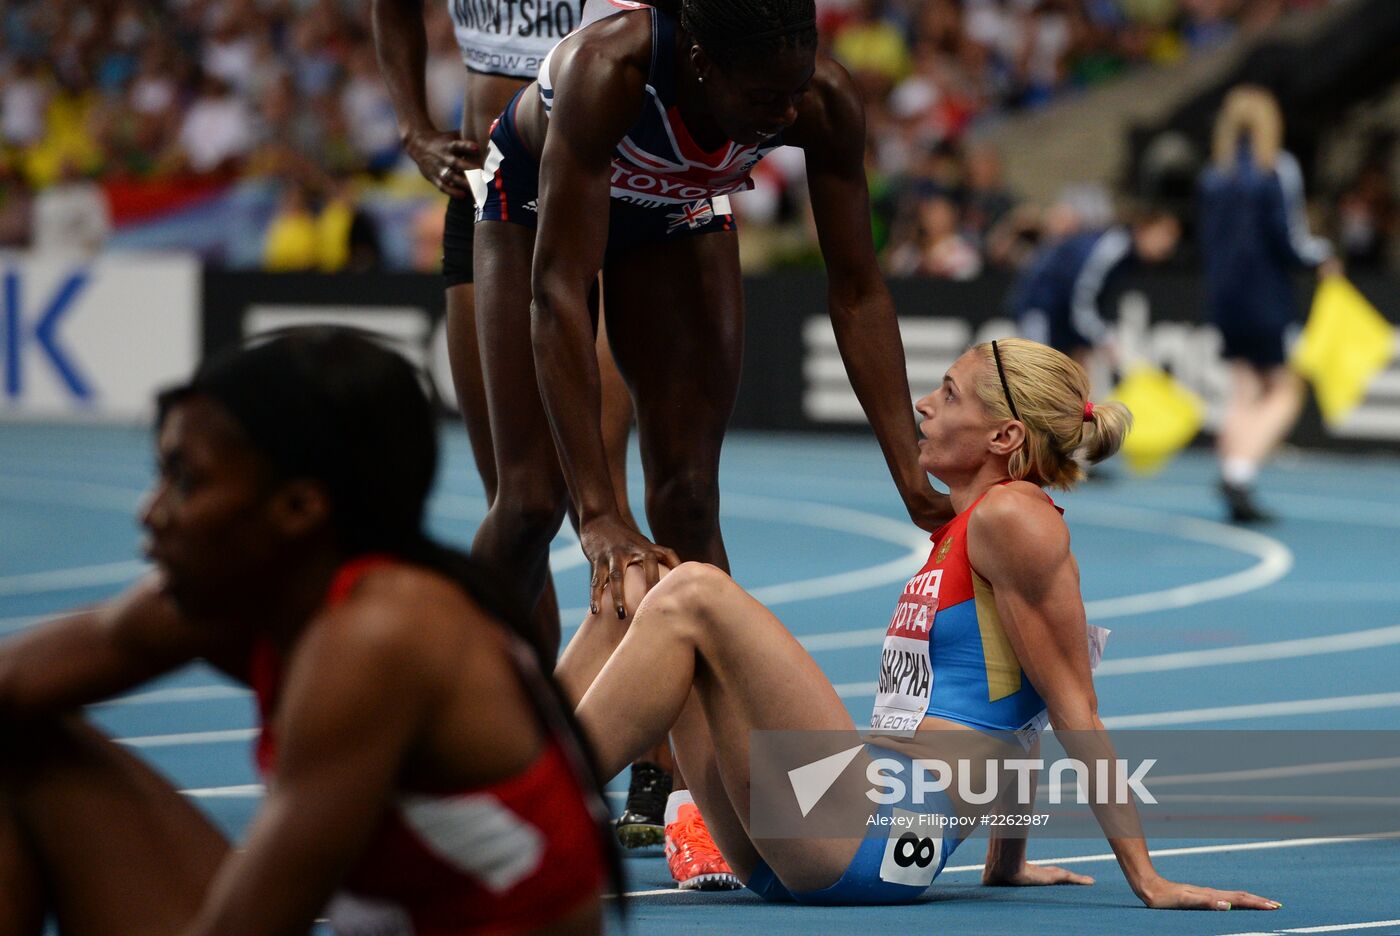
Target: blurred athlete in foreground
{"points": [[422, 777], [995, 616]]}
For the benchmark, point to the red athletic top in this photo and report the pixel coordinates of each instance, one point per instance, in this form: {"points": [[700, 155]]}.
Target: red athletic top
{"points": [[506, 857]]}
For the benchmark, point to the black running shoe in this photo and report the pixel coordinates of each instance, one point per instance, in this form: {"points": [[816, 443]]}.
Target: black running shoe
{"points": [[1239, 501], [643, 821]]}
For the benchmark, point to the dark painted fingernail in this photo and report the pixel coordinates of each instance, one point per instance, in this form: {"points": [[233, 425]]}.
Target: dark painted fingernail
{"points": [[592, 609]]}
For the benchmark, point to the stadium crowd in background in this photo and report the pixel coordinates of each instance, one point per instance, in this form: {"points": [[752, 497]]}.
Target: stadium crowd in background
{"points": [[112, 112]]}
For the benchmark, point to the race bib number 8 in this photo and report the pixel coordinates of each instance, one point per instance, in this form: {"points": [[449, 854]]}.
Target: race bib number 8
{"points": [[911, 857]]}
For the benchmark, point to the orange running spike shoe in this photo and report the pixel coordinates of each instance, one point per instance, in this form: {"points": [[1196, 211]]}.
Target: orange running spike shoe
{"points": [[693, 857]]}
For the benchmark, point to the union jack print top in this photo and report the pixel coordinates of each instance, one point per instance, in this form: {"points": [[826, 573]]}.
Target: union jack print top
{"points": [[658, 162]]}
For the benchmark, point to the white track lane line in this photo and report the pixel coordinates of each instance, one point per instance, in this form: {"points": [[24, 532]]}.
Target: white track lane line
{"points": [[51, 580], [1296, 506], [1204, 850], [180, 694], [1330, 928], [1260, 710], [1221, 656], [822, 517], [472, 507], [256, 791], [567, 555], [1156, 663], [1150, 719], [1276, 773], [12, 624], [1155, 853], [241, 791], [64, 492], [1275, 561], [1252, 653], [190, 737]]}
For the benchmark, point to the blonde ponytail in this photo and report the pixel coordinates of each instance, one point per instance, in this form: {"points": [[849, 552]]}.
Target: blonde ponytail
{"points": [[1104, 431], [1051, 392], [1251, 112]]}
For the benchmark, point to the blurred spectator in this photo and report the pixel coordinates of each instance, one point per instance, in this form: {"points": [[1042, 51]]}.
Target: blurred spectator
{"points": [[154, 94], [346, 238], [128, 33], [873, 48], [935, 246], [1207, 23], [1366, 214], [1058, 300], [158, 90], [335, 237], [68, 115], [70, 215], [292, 241], [312, 57], [217, 129], [230, 49], [23, 104], [988, 200], [426, 244], [937, 100], [445, 77], [369, 113], [1040, 37], [1011, 244], [16, 207]]}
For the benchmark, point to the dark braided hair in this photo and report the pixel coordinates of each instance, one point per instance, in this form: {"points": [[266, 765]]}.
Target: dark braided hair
{"points": [[734, 30], [336, 406]]}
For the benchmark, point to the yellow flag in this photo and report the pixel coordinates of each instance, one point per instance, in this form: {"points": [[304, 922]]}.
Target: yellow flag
{"points": [[1166, 417], [1345, 343]]}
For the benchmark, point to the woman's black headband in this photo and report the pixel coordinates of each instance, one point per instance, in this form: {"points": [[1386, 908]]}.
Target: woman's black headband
{"points": [[1005, 387]]}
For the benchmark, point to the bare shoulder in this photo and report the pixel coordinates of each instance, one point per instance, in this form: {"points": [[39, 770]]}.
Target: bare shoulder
{"points": [[400, 611], [619, 44], [831, 111], [1015, 523], [600, 78], [410, 627]]}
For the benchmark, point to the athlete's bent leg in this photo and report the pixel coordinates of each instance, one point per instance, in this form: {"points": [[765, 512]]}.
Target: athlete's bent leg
{"points": [[118, 849], [699, 630]]}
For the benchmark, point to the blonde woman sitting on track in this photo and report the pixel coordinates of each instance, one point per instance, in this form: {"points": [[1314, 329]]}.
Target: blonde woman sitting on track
{"points": [[988, 641]]}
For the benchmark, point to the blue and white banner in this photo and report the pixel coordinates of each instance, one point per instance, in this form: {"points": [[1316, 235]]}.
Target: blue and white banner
{"points": [[95, 338]]}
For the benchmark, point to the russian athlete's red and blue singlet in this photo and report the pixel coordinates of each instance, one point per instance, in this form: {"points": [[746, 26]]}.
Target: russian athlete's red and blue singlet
{"points": [[945, 653], [482, 859]]}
